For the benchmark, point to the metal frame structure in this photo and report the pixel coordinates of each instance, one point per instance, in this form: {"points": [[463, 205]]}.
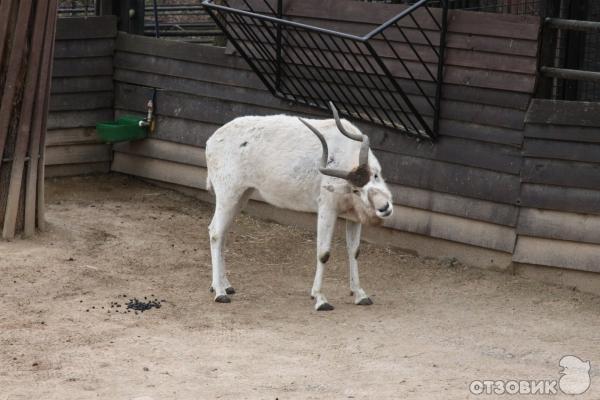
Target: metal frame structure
{"points": [[557, 24], [311, 65], [569, 57]]}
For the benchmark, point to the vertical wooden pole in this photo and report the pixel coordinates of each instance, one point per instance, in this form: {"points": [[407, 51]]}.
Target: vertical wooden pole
{"points": [[5, 11], [41, 194], [32, 193], [17, 50], [24, 127], [25, 76]]}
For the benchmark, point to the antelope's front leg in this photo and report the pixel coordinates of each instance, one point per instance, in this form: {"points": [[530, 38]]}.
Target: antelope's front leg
{"points": [[325, 228], [353, 230]]}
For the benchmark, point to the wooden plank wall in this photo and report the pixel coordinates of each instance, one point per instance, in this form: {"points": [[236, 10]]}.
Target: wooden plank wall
{"points": [[465, 188], [82, 95], [559, 223], [510, 174]]}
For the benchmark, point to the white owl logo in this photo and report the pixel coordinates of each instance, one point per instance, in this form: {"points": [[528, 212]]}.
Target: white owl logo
{"points": [[575, 375]]}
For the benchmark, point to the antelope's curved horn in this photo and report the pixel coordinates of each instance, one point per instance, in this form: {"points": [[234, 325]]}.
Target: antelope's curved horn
{"points": [[361, 175], [341, 128], [318, 134], [363, 156], [336, 173]]}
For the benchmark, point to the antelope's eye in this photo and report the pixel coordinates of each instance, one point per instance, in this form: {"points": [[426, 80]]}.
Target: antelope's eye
{"points": [[376, 176], [355, 191]]}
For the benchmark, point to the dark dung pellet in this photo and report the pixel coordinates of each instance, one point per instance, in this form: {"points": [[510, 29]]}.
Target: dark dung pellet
{"points": [[137, 305]]}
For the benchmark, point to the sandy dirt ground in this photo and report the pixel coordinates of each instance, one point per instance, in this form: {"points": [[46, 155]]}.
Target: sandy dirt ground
{"points": [[434, 328]]}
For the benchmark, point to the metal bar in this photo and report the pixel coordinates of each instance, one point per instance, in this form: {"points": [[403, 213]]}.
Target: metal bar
{"points": [[197, 25], [378, 89], [546, 87], [571, 74], [278, 92], [327, 70], [300, 81], [210, 5], [422, 31], [391, 108], [393, 20], [359, 63], [572, 25], [240, 50], [268, 6], [78, 10], [408, 70], [407, 101], [250, 9], [351, 76], [412, 47], [184, 33], [354, 106], [252, 38], [338, 78], [279, 44], [440, 71], [315, 81], [176, 8], [156, 27], [432, 16]]}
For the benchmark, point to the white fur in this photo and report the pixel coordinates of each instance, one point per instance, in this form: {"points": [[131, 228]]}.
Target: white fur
{"points": [[279, 157]]}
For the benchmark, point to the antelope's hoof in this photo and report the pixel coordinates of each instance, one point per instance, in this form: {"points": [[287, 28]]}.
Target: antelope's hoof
{"points": [[365, 301], [325, 307], [230, 290], [222, 299]]}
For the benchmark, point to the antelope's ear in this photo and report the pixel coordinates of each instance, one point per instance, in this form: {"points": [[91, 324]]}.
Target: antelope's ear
{"points": [[339, 189]]}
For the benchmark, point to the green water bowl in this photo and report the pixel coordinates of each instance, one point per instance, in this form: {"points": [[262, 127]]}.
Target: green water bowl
{"points": [[124, 129]]}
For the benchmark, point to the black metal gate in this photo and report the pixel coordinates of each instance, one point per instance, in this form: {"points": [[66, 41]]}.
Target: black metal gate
{"points": [[311, 65]]}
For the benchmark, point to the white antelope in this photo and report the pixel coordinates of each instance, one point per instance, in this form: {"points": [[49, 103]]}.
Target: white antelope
{"points": [[290, 167]]}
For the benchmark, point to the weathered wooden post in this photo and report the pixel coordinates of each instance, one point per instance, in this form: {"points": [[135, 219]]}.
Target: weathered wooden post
{"points": [[131, 15], [27, 30]]}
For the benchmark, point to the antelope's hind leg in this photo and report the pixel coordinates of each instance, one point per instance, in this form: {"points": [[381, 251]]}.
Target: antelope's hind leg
{"points": [[228, 205]]}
